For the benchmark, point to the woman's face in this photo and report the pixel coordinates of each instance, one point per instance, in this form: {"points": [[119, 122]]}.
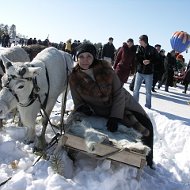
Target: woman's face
{"points": [[85, 60]]}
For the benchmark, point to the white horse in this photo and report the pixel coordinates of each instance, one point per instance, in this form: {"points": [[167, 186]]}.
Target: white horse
{"points": [[32, 85]]}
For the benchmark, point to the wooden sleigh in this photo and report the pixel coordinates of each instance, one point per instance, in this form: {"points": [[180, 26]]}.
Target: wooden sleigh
{"points": [[132, 154], [106, 151]]}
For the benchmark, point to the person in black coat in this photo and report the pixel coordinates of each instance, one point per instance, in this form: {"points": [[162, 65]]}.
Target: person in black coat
{"points": [[108, 51], [6, 40], [146, 56], [170, 67], [186, 79], [158, 67]]}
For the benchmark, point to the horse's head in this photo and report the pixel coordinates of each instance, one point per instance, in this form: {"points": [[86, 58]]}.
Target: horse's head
{"points": [[17, 84]]}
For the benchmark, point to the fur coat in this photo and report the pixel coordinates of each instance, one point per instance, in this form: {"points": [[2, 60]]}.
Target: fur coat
{"points": [[105, 95]]}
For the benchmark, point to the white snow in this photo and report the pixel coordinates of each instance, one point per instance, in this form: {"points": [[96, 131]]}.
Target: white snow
{"points": [[170, 115]]}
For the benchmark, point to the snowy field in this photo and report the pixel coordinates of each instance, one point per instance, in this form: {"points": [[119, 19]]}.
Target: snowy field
{"points": [[170, 116]]}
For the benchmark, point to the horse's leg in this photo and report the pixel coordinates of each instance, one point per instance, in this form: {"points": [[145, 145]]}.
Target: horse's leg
{"points": [[41, 141], [63, 107]]}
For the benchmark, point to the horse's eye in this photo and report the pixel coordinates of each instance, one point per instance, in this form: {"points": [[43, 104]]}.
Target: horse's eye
{"points": [[20, 87]]}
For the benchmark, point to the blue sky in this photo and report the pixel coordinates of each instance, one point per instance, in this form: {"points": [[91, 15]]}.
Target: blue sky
{"points": [[97, 20]]}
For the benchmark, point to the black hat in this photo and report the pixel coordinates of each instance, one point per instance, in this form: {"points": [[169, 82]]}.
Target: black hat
{"points": [[158, 45], [162, 51], [86, 47], [144, 38], [130, 40]]}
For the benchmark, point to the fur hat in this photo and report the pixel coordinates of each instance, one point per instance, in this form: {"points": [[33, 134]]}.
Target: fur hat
{"points": [[86, 47], [144, 38]]}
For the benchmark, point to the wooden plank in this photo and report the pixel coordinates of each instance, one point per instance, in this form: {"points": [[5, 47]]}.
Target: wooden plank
{"points": [[125, 156], [139, 172]]}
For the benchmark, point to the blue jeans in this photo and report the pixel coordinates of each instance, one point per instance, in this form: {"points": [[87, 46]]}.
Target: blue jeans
{"points": [[148, 78]]}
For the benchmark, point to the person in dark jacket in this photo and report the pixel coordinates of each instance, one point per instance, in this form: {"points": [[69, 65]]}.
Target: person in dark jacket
{"points": [[146, 56], [97, 90], [125, 61], [6, 40], [158, 66], [186, 79], [170, 66], [34, 41], [108, 51], [73, 49], [29, 41]]}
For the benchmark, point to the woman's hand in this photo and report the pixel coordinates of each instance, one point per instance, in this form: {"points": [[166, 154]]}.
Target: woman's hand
{"points": [[85, 109], [112, 124]]}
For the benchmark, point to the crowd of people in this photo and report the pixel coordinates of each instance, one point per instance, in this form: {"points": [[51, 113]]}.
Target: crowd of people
{"points": [[148, 64], [130, 59]]}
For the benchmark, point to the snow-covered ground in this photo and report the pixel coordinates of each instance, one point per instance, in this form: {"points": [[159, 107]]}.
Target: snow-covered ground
{"points": [[170, 115]]}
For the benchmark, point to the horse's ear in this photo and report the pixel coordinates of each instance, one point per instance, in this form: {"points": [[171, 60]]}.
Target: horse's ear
{"points": [[6, 62], [34, 71]]}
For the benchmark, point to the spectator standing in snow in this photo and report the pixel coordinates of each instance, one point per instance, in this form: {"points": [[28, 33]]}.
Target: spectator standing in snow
{"points": [[6, 40], [96, 89], [29, 41], [46, 42], [146, 56], [125, 61], [158, 66], [186, 79], [68, 46], [34, 41], [108, 51], [73, 49], [170, 66]]}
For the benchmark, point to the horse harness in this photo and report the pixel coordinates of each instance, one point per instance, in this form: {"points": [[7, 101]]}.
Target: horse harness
{"points": [[34, 93]]}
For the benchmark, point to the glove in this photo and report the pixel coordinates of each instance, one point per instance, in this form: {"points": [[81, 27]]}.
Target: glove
{"points": [[85, 109], [112, 124]]}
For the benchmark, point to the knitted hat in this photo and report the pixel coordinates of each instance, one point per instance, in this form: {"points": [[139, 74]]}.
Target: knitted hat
{"points": [[162, 51], [157, 45], [144, 38], [130, 40], [86, 47]]}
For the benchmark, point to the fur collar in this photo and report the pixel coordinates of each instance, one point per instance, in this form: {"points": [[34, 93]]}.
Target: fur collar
{"points": [[84, 84]]}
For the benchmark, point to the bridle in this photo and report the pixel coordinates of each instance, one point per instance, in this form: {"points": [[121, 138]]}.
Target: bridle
{"points": [[34, 93]]}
